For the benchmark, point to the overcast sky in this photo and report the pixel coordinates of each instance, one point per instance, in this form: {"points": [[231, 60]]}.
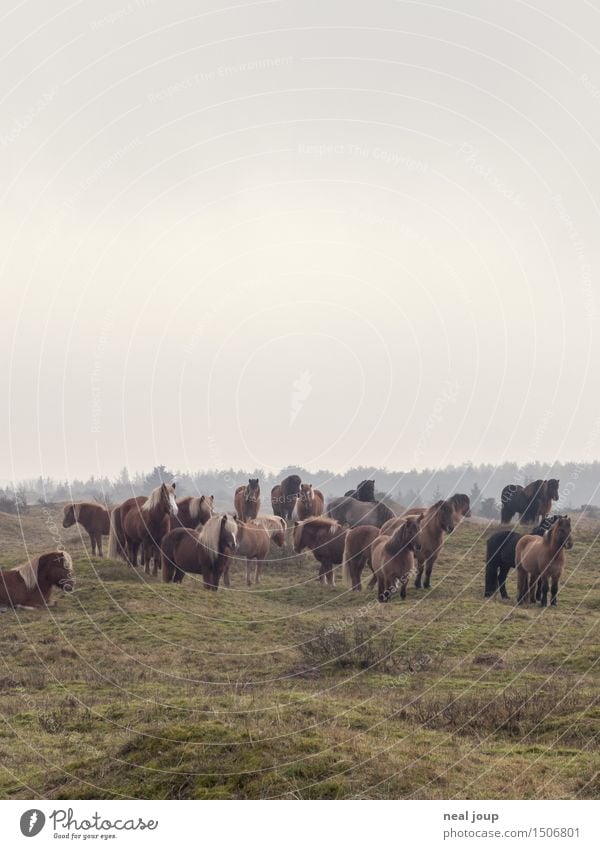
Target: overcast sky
{"points": [[285, 232]]}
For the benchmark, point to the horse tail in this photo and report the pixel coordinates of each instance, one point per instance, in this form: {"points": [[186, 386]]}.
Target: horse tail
{"points": [[116, 539], [167, 559]]}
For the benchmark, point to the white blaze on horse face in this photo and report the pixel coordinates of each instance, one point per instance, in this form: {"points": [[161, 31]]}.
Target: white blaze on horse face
{"points": [[173, 504]]}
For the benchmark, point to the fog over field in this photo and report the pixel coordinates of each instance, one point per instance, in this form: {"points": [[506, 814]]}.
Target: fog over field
{"points": [[301, 233]]}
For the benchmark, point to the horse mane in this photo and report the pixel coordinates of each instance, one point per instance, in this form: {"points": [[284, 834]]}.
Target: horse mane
{"points": [[29, 572], [195, 507], [153, 499], [210, 535]]}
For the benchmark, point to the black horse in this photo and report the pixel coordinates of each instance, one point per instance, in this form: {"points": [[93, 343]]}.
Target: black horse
{"points": [[365, 491], [501, 556]]}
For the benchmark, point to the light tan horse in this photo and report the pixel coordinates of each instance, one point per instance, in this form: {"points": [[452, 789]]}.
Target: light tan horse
{"points": [[393, 558], [542, 559], [436, 521], [253, 543], [275, 526]]}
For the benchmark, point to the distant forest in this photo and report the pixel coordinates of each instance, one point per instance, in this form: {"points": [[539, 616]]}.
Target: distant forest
{"points": [[579, 485]]}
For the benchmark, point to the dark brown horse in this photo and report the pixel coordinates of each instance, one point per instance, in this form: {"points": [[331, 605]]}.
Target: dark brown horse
{"points": [[393, 558], [30, 584], [284, 495], [532, 502], [192, 512], [142, 522], [542, 559], [205, 552], [357, 554], [310, 502], [246, 500], [326, 539], [365, 491], [93, 517]]}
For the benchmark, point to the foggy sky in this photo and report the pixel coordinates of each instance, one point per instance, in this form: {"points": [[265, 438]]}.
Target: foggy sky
{"points": [[320, 233]]}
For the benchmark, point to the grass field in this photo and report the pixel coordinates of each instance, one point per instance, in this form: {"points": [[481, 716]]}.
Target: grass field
{"points": [[131, 688]]}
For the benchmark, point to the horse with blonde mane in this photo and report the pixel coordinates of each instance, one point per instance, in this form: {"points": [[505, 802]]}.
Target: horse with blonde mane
{"points": [[310, 502], [393, 558], [274, 526], [142, 522], [253, 543], [193, 511], [205, 552], [29, 586], [357, 554], [542, 559], [325, 538], [93, 517], [461, 507], [246, 500]]}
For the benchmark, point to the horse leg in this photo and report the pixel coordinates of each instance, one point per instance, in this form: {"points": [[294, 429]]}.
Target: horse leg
{"points": [[93, 544], [99, 545], [403, 583], [248, 579], [428, 568], [257, 571], [226, 581], [420, 565], [554, 592], [543, 592], [522, 588], [491, 578], [533, 588], [502, 576]]}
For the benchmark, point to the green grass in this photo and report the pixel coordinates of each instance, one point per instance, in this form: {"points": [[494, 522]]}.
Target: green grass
{"points": [[132, 688]]}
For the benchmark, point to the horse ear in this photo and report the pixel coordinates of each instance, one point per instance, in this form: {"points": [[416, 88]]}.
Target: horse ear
{"points": [[173, 484]]}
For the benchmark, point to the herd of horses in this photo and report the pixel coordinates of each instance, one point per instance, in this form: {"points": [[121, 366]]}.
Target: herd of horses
{"points": [[356, 531]]}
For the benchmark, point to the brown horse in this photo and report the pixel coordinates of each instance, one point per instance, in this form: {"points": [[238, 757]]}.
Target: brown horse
{"points": [[284, 495], [142, 522], [253, 544], [436, 521], [461, 506], [540, 559], [357, 554], [205, 552], [310, 502], [192, 512], [326, 539], [30, 585], [246, 500], [531, 502], [393, 558], [93, 517]]}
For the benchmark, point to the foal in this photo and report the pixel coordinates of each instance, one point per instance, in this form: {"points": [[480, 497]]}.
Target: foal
{"points": [[540, 559]]}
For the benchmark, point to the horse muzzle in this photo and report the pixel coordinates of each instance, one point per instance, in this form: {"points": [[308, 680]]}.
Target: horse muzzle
{"points": [[449, 529], [67, 586]]}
